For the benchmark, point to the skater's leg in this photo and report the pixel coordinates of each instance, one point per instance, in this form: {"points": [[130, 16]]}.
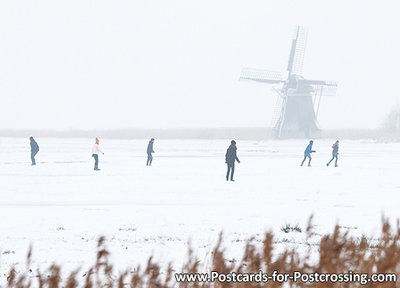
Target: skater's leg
{"points": [[309, 159], [227, 172], [305, 157], [33, 158], [96, 161], [149, 159], [333, 157], [336, 156], [232, 171]]}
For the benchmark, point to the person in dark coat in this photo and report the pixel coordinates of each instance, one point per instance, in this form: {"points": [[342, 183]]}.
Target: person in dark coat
{"points": [[230, 158], [307, 153], [149, 152], [34, 150], [335, 153]]}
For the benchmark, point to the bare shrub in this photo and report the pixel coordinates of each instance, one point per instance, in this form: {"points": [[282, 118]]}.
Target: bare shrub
{"points": [[338, 253]]}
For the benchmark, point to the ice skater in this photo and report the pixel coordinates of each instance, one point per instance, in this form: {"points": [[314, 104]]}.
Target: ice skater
{"points": [[230, 158], [95, 154], [149, 152], [307, 153], [34, 150], [335, 153]]}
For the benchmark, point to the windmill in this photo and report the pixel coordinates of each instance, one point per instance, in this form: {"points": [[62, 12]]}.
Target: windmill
{"points": [[298, 98]]}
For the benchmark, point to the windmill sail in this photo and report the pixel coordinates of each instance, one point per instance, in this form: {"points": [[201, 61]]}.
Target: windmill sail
{"points": [[321, 88], [260, 75], [297, 52]]}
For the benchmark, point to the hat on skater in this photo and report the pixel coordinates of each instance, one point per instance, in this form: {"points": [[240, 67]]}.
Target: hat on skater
{"points": [[233, 142], [97, 140]]}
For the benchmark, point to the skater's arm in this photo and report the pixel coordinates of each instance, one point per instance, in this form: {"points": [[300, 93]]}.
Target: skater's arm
{"points": [[236, 158]]}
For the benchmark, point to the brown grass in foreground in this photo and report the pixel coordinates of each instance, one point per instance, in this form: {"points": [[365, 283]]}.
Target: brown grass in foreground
{"points": [[338, 253]]}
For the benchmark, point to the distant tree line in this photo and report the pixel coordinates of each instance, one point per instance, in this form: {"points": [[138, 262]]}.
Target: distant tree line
{"points": [[392, 120]]}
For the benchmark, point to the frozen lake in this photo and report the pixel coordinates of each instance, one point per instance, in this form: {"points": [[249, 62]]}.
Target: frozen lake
{"points": [[62, 206]]}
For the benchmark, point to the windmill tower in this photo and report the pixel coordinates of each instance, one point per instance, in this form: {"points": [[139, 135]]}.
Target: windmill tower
{"points": [[298, 98]]}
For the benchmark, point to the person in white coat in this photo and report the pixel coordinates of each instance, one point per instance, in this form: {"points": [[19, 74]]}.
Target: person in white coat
{"points": [[95, 154]]}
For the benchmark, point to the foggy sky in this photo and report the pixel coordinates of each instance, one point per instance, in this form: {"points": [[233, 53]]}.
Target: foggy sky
{"points": [[175, 64]]}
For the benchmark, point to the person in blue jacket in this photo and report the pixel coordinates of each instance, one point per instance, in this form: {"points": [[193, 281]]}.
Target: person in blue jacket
{"points": [[307, 153], [34, 150], [335, 153]]}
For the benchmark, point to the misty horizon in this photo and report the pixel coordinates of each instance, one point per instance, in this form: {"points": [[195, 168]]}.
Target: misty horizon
{"points": [[80, 65], [227, 133]]}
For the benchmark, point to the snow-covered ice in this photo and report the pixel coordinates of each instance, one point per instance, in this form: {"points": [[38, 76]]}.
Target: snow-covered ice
{"points": [[62, 206]]}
